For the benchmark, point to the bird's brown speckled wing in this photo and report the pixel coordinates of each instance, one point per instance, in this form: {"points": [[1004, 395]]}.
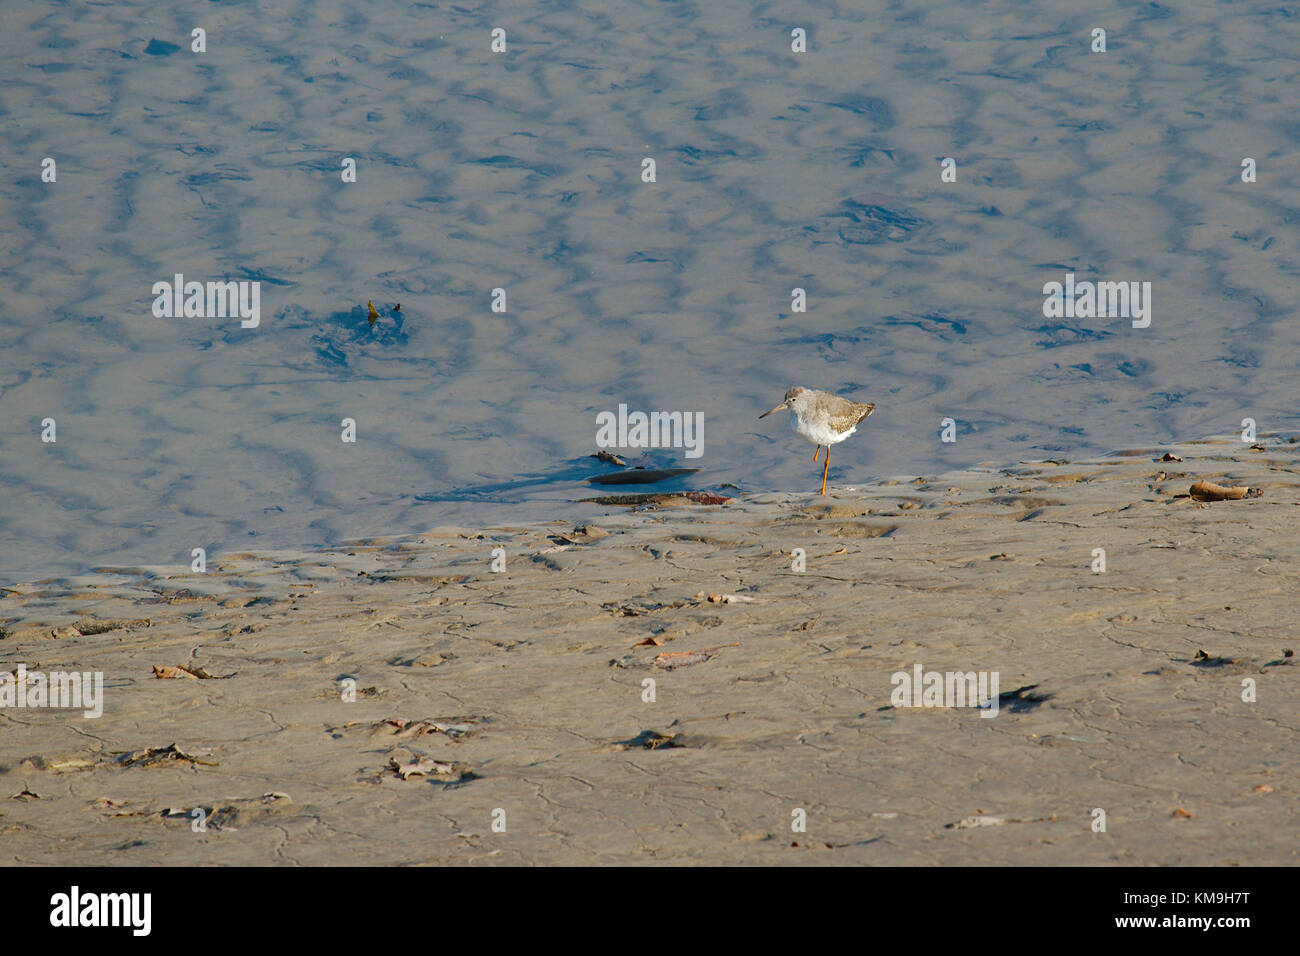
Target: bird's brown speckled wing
{"points": [[864, 411], [844, 414]]}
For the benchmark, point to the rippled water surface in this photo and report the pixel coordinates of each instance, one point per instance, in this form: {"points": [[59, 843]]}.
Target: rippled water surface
{"points": [[522, 171]]}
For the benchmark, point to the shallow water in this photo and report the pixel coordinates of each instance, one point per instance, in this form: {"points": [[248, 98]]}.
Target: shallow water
{"points": [[521, 170]]}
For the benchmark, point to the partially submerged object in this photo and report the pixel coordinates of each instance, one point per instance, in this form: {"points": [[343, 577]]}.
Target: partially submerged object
{"points": [[639, 476]]}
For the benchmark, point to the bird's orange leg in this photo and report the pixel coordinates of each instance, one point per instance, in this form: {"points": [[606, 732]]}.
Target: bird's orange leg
{"points": [[826, 468], [818, 452]]}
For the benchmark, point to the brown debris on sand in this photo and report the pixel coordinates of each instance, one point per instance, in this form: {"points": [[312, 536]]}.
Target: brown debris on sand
{"points": [[1209, 491], [182, 672], [421, 767], [650, 740], [661, 498], [161, 756], [669, 660]]}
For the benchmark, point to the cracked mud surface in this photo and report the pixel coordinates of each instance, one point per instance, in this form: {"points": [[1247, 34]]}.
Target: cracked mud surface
{"points": [[522, 691]]}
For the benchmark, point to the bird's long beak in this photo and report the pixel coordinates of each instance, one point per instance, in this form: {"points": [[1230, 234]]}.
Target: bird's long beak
{"points": [[777, 409]]}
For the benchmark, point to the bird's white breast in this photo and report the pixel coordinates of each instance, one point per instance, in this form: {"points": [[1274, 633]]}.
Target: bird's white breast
{"points": [[820, 433]]}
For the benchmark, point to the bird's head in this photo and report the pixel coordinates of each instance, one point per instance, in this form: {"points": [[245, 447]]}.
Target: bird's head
{"points": [[791, 397]]}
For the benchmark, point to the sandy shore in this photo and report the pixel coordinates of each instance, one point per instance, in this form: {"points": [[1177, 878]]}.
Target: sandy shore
{"points": [[522, 691]]}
